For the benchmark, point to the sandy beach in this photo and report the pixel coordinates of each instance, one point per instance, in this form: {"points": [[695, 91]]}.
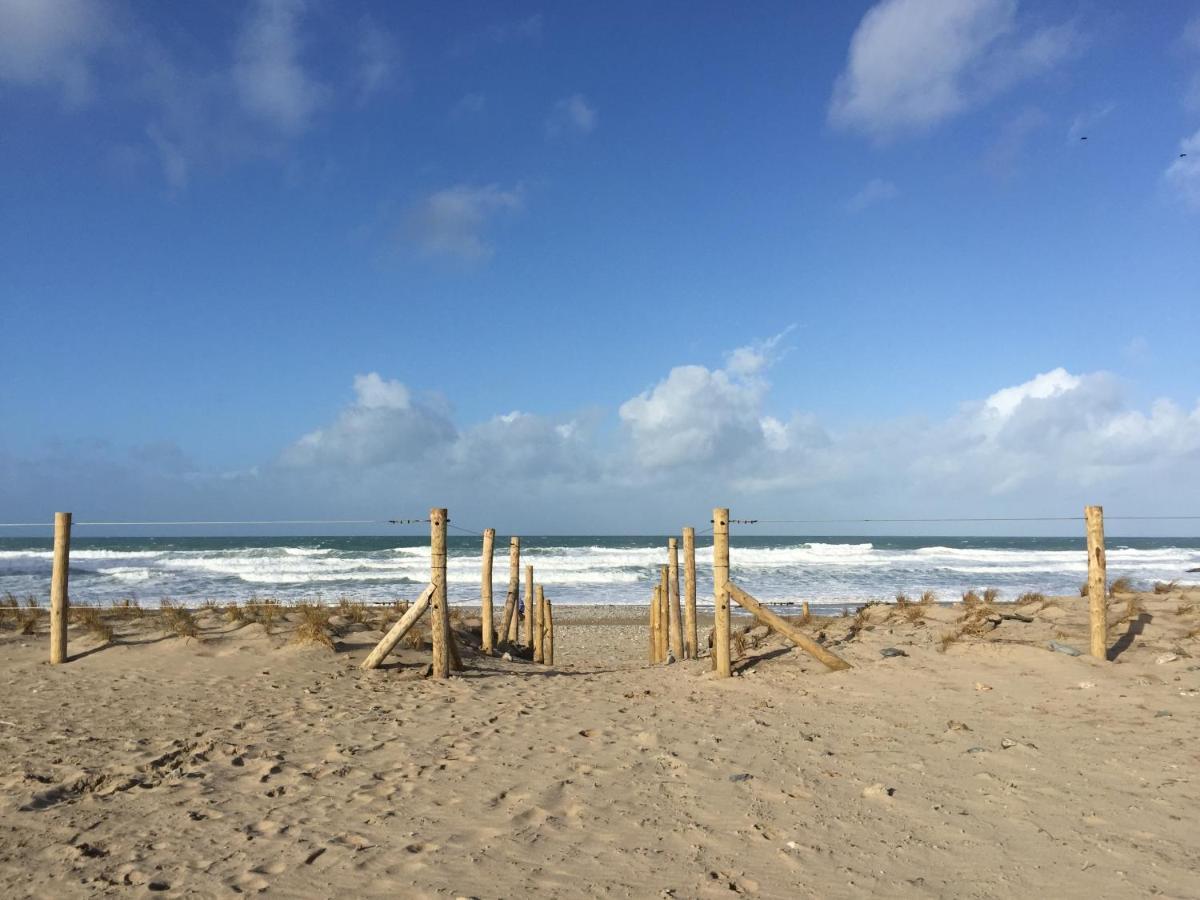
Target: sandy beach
{"points": [[979, 764]]}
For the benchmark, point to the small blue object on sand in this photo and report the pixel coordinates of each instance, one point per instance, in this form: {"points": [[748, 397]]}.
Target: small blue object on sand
{"points": [[1064, 648]]}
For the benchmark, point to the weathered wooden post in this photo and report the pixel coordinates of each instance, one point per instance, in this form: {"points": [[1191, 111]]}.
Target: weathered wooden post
{"points": [[539, 625], [664, 614], [689, 591], [720, 523], [548, 619], [1097, 580], [529, 606], [673, 611], [440, 626], [60, 602], [807, 614], [508, 628], [654, 626], [485, 591], [399, 630]]}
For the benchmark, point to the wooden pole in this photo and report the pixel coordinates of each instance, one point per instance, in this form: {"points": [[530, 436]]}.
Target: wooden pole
{"points": [[789, 631], [529, 606], [539, 625], [653, 657], [720, 523], [397, 631], [485, 591], [690, 639], [664, 613], [456, 663], [60, 602], [437, 577], [806, 611], [508, 629], [548, 619], [673, 611], [1097, 580]]}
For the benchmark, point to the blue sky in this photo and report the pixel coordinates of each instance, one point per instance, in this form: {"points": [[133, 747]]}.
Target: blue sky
{"points": [[565, 266]]}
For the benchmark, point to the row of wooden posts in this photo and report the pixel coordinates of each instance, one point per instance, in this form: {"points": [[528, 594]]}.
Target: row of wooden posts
{"points": [[672, 629]]}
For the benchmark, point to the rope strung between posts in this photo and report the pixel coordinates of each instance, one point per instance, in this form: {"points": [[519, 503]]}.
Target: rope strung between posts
{"points": [[193, 522]]}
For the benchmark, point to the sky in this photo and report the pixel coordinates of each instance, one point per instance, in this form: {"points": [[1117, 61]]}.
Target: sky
{"points": [[598, 268]]}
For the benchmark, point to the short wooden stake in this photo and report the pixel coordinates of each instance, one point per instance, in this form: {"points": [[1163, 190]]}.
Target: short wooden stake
{"points": [[805, 608], [548, 619], [60, 602], [539, 625], [720, 523], [440, 625], [789, 631], [485, 591], [673, 611], [456, 663], [529, 606], [399, 630], [690, 638], [1097, 580], [508, 628]]}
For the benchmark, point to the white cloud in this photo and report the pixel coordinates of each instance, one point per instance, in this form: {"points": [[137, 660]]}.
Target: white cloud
{"points": [[51, 42], [272, 84], [877, 190], [1085, 122], [915, 63], [382, 426], [1183, 175], [1005, 402], [450, 222], [571, 115]]}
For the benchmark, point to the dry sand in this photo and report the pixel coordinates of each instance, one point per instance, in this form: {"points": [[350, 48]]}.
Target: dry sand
{"points": [[241, 762]]}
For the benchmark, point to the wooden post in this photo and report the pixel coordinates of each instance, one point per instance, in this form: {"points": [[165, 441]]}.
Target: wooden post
{"points": [[440, 625], [789, 631], [529, 606], [539, 625], [456, 663], [653, 657], [690, 640], [807, 614], [1097, 580], [720, 523], [508, 628], [485, 591], [664, 614], [397, 631], [673, 611], [60, 602], [548, 619]]}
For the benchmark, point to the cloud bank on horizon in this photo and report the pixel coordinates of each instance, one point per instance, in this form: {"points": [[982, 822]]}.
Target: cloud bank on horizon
{"points": [[698, 435]]}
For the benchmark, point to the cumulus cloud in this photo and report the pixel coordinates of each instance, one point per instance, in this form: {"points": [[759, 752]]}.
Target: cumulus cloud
{"points": [[914, 63], [877, 190], [451, 222], [271, 82], [571, 115], [51, 43], [383, 425]]}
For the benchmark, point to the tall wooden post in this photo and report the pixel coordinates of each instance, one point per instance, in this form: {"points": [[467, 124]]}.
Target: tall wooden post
{"points": [[689, 593], [548, 619], [720, 523], [508, 628], [1097, 580], [539, 625], [60, 603], [440, 626], [485, 590], [655, 605], [529, 606], [664, 614], [675, 614]]}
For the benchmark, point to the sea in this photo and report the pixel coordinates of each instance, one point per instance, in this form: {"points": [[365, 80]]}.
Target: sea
{"points": [[826, 571]]}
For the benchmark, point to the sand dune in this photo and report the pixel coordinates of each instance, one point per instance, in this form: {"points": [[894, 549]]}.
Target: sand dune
{"points": [[241, 761]]}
